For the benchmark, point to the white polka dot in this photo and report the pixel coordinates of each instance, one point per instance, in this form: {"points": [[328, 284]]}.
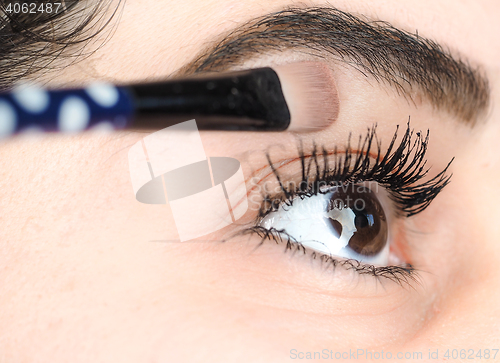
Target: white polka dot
{"points": [[8, 119], [32, 133], [74, 115], [103, 94], [104, 127], [33, 99], [31, 130]]}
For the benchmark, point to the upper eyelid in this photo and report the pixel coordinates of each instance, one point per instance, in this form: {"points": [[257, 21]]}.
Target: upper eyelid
{"points": [[252, 184], [288, 161]]}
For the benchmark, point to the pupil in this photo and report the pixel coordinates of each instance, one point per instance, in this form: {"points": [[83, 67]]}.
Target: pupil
{"points": [[361, 221], [355, 208]]}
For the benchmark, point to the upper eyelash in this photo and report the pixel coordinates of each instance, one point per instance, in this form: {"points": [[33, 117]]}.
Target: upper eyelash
{"points": [[394, 171]]}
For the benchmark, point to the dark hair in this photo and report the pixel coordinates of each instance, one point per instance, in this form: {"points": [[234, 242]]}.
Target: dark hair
{"points": [[37, 42]]}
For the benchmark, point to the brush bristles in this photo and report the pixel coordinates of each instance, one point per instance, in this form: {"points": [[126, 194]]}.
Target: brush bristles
{"points": [[311, 95]]}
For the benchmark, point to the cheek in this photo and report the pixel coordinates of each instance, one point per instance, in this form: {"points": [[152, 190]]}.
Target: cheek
{"points": [[292, 301]]}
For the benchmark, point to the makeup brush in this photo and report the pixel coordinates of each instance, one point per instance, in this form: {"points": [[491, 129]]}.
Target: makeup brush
{"points": [[295, 97]]}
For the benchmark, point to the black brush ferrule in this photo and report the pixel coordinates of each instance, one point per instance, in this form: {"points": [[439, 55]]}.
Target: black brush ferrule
{"points": [[243, 100]]}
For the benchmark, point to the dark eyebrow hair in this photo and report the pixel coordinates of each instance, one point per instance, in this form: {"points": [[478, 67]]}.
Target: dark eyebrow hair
{"points": [[406, 61]]}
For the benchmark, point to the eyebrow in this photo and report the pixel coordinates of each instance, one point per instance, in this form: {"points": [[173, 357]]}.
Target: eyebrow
{"points": [[408, 62]]}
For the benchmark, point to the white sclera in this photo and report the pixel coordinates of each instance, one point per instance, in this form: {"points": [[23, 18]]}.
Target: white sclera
{"points": [[103, 94], [8, 119], [307, 221], [74, 115], [33, 99]]}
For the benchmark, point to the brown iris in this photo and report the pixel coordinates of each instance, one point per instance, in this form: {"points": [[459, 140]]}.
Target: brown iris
{"points": [[356, 213]]}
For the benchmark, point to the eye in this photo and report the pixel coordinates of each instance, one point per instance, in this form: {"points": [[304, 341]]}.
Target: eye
{"points": [[347, 221], [348, 203]]}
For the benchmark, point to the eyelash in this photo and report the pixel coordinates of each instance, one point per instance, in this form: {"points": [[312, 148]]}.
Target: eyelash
{"points": [[394, 171], [399, 171]]}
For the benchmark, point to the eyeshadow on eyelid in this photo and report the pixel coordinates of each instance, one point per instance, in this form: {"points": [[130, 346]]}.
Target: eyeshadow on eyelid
{"points": [[374, 48]]}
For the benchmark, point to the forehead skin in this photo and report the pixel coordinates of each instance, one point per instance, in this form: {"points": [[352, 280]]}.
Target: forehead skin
{"points": [[71, 255]]}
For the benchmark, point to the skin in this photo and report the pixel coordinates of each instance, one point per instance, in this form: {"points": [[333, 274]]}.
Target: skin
{"points": [[83, 280]]}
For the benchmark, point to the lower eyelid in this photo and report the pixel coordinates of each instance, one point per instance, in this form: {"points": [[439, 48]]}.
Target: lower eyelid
{"points": [[400, 270], [403, 274]]}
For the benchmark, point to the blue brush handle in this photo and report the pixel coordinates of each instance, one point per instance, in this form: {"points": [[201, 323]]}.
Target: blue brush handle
{"points": [[250, 100], [65, 110]]}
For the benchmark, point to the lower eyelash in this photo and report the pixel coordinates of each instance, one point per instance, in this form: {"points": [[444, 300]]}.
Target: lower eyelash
{"points": [[402, 275]]}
